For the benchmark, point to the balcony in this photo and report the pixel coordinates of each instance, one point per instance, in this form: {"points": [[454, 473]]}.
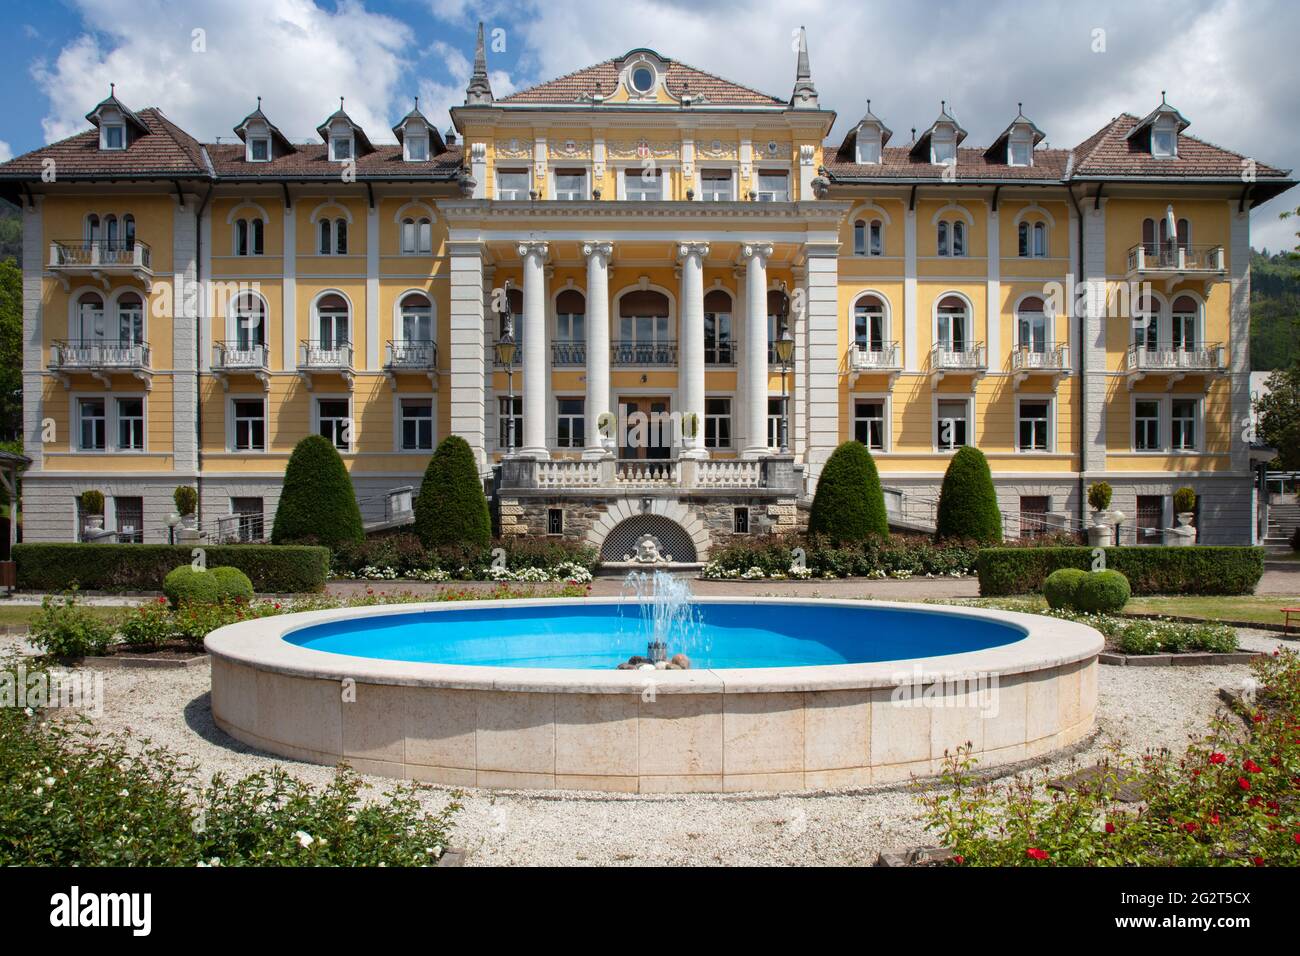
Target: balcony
{"points": [[1174, 363], [776, 475], [1176, 263], [878, 358], [969, 360], [568, 354], [241, 358], [100, 358], [101, 260], [723, 355], [412, 355], [628, 352], [324, 357], [1052, 362]]}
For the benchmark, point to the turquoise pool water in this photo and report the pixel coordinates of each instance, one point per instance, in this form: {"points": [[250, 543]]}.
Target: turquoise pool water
{"points": [[597, 636]]}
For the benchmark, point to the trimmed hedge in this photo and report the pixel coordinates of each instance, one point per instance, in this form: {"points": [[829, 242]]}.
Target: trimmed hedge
{"points": [[849, 504], [1102, 592], [451, 509], [1061, 587], [968, 504], [1150, 570], [280, 569], [317, 504], [185, 585]]}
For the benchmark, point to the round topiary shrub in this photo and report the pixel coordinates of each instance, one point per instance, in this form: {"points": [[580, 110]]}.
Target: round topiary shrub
{"points": [[1099, 494], [92, 502], [187, 500], [1102, 592], [317, 503], [451, 508], [968, 505], [185, 585], [849, 504], [1062, 586], [1184, 500]]}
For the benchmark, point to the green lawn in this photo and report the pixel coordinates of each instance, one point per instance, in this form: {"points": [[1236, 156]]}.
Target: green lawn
{"points": [[19, 615], [1261, 608]]}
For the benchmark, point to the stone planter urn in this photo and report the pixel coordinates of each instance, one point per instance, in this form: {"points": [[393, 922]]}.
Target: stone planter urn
{"points": [[190, 522], [1184, 535], [1101, 535], [94, 522]]}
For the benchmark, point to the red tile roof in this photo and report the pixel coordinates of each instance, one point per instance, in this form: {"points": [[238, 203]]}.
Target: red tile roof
{"points": [[1108, 153], [309, 161], [602, 79], [166, 150], [897, 163]]}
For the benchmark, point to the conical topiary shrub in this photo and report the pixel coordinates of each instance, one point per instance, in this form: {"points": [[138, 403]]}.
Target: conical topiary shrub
{"points": [[968, 505], [849, 505], [451, 508], [317, 503]]}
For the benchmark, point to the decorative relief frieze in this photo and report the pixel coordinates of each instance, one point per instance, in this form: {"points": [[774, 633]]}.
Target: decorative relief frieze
{"points": [[641, 149], [514, 148]]}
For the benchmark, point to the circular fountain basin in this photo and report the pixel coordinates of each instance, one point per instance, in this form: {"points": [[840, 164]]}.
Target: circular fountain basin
{"points": [[782, 694]]}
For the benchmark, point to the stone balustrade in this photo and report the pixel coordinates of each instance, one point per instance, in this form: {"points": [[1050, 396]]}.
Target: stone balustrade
{"points": [[775, 474]]}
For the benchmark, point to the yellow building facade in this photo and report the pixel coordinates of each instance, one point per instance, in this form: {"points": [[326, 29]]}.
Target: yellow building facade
{"points": [[699, 296]]}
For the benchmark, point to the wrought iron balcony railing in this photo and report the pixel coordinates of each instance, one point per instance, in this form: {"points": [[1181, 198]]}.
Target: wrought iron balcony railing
{"points": [[1150, 257], [627, 352], [418, 355], [568, 353], [237, 356]]}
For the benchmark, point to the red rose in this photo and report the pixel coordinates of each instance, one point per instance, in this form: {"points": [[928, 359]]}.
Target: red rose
{"points": [[1190, 827], [959, 859], [1258, 718], [1036, 854], [1252, 767], [1243, 783], [1296, 837], [1214, 819], [1258, 861], [1217, 757], [1110, 827]]}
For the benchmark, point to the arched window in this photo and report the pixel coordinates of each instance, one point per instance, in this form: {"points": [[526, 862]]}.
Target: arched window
{"points": [[332, 321], [326, 229], [417, 319], [111, 237], [719, 347], [417, 236], [249, 237], [644, 329], [868, 237], [130, 319], [570, 328], [92, 229], [1146, 324], [1166, 245], [333, 237], [952, 326], [869, 324], [950, 237], [1032, 240], [250, 321], [1185, 323], [90, 317], [128, 230], [340, 237], [1031, 325], [241, 237]]}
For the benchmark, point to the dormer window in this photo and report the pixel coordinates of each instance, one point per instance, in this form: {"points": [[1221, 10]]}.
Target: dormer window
{"points": [[943, 147], [113, 136], [868, 145], [340, 148], [1020, 151], [417, 147], [642, 78], [259, 149], [1164, 139]]}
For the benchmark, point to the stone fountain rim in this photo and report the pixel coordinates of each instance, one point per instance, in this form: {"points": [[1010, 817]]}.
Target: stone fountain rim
{"points": [[1049, 642]]}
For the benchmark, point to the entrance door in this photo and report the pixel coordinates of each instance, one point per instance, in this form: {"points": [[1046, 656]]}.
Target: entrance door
{"points": [[648, 435]]}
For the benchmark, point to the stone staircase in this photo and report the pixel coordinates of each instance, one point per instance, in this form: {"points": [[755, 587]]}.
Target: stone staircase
{"points": [[1283, 519]]}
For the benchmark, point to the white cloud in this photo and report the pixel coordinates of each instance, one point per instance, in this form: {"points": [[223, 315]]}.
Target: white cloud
{"points": [[299, 57], [6, 152]]}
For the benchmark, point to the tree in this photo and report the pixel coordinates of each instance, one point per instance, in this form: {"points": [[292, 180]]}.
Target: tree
{"points": [[451, 508], [1279, 416], [968, 505], [849, 504], [317, 503]]}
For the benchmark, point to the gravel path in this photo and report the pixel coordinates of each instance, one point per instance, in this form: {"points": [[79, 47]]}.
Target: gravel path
{"points": [[1140, 707]]}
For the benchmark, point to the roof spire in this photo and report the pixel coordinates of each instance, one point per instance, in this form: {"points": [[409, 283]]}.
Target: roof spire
{"points": [[259, 102], [805, 93], [112, 91], [479, 90]]}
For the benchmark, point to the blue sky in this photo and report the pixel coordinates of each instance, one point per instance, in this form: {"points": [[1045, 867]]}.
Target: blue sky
{"points": [[1229, 65]]}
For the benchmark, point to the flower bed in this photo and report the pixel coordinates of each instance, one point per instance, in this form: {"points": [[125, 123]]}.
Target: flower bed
{"points": [[1231, 799], [901, 556], [402, 557]]}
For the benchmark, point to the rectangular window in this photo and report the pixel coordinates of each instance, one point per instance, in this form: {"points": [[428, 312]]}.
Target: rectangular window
{"points": [[717, 423], [115, 137], [644, 184], [715, 185], [130, 424], [570, 184], [417, 148], [1034, 426], [90, 412], [775, 407], [943, 151], [555, 521], [341, 148], [1182, 421], [1162, 142], [740, 521], [1146, 426], [1033, 516], [510, 430], [417, 424], [260, 150], [869, 423], [773, 187], [248, 523], [334, 421], [1019, 153], [570, 422], [250, 425], [512, 184], [953, 425], [130, 520]]}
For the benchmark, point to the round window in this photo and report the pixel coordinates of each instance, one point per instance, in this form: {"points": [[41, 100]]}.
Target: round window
{"points": [[643, 79]]}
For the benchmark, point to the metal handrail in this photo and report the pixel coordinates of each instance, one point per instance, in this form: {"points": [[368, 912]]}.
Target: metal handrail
{"points": [[99, 353], [630, 352]]}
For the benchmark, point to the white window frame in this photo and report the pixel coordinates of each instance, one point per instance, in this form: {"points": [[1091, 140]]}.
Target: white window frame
{"points": [[253, 143], [399, 421], [117, 423], [731, 181], [887, 422], [1050, 401], [1020, 141], [569, 443], [867, 147], [773, 436], [624, 187], [1164, 126], [1198, 424], [936, 399], [232, 429], [945, 244], [409, 140], [1161, 419], [968, 322], [316, 418], [108, 429], [498, 400], [759, 192], [421, 235], [940, 147], [105, 136], [730, 418], [858, 300], [499, 190], [583, 193], [342, 139]]}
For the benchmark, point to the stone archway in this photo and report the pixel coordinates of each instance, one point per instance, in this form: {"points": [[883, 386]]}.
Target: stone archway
{"points": [[680, 532]]}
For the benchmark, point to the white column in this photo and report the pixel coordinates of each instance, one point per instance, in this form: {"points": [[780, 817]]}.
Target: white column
{"points": [[469, 390], [597, 254], [756, 256], [534, 346], [690, 342]]}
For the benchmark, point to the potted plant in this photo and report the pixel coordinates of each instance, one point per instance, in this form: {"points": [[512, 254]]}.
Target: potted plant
{"points": [[92, 508], [1102, 532], [1185, 511], [187, 505]]}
